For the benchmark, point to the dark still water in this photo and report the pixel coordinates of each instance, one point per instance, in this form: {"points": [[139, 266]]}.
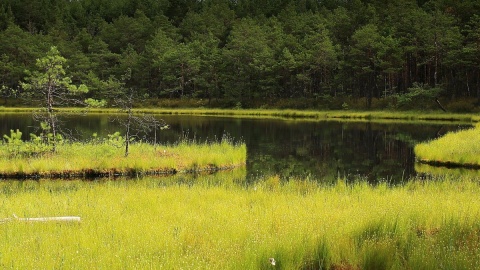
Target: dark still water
{"points": [[324, 150]]}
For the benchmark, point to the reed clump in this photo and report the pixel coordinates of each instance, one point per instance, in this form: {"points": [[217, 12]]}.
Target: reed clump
{"points": [[99, 159], [154, 223], [461, 148]]}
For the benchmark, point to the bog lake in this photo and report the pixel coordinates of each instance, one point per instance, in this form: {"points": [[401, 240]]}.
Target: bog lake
{"points": [[322, 150]]}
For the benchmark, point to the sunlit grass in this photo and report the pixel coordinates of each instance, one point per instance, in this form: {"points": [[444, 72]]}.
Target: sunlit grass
{"points": [[228, 224], [461, 148], [319, 115], [80, 159]]}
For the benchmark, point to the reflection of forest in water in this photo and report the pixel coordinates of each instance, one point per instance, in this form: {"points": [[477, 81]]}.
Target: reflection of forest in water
{"points": [[324, 150], [331, 149]]}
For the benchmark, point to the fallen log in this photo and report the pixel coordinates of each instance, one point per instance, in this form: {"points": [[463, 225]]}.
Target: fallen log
{"points": [[42, 219]]}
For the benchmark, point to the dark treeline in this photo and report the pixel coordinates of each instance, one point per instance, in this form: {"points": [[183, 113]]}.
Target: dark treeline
{"points": [[247, 50]]}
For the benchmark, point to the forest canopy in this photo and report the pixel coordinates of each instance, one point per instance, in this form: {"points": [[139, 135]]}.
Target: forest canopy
{"points": [[244, 50]]}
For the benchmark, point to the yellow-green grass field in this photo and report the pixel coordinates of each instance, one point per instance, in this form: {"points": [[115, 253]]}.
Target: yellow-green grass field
{"points": [[102, 159], [203, 223], [455, 148]]}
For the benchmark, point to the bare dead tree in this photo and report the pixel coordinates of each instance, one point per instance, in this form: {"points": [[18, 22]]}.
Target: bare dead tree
{"points": [[156, 125], [133, 124]]}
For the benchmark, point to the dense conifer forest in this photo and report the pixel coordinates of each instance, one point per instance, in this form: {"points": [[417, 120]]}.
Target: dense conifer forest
{"points": [[242, 51]]}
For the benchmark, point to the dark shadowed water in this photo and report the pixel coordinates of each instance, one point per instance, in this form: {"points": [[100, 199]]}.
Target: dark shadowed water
{"points": [[289, 148]]}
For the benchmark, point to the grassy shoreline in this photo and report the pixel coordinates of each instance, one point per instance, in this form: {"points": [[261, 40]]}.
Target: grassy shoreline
{"points": [[455, 149], [287, 114], [90, 160], [147, 224]]}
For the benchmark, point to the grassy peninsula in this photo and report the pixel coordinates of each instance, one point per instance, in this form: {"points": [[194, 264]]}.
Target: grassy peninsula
{"points": [[76, 159], [152, 223], [460, 148]]}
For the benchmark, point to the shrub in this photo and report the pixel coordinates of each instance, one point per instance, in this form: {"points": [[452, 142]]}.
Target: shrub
{"points": [[13, 142]]}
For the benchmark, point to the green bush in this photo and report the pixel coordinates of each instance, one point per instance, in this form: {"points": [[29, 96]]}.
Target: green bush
{"points": [[13, 142], [16, 147]]}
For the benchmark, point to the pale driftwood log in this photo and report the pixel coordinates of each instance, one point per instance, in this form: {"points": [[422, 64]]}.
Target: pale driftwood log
{"points": [[42, 219]]}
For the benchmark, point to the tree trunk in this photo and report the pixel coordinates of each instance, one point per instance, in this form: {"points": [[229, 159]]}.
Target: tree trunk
{"points": [[440, 105], [127, 132], [51, 116]]}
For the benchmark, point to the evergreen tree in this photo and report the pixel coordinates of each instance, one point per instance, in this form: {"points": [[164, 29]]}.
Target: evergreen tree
{"points": [[54, 88]]}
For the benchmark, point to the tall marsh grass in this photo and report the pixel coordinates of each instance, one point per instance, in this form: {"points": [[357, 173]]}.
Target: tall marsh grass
{"points": [[457, 148], [229, 224]]}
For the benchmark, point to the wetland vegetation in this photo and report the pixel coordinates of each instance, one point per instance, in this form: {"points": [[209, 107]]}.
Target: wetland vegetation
{"points": [[460, 149], [97, 158], [324, 148], [333, 186], [225, 223], [231, 221]]}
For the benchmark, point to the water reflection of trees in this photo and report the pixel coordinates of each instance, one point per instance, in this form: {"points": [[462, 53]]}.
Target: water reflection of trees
{"points": [[323, 150], [328, 150], [442, 171]]}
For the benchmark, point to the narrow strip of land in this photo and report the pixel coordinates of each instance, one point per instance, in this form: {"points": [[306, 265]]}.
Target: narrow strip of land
{"points": [[89, 160], [410, 116]]}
